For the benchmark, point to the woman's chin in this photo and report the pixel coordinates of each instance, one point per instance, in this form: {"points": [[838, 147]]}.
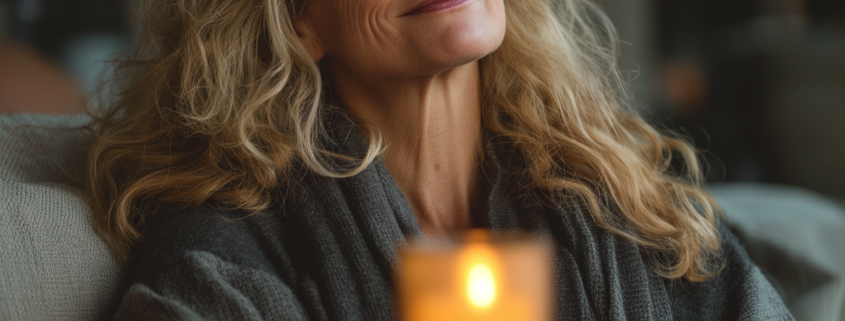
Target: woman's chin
{"points": [[460, 44], [463, 50]]}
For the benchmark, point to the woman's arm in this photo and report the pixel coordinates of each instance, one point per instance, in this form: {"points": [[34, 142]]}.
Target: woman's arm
{"points": [[203, 286]]}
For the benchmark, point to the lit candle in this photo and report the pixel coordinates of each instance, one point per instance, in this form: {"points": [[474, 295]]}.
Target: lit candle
{"points": [[481, 277]]}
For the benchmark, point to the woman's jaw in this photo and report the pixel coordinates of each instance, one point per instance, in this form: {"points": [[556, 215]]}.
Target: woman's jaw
{"points": [[378, 40]]}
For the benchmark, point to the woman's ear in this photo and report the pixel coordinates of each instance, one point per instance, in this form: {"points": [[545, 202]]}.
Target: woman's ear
{"points": [[309, 39]]}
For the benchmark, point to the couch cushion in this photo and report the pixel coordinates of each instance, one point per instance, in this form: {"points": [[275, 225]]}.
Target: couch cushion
{"points": [[52, 264], [37, 148]]}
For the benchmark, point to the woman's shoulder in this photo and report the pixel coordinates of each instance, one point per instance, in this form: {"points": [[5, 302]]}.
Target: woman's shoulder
{"points": [[208, 263], [231, 236], [740, 287]]}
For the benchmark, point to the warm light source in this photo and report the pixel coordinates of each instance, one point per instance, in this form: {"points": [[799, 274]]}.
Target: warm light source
{"points": [[481, 287], [477, 277]]}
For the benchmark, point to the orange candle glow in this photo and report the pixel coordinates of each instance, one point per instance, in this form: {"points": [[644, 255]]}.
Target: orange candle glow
{"points": [[481, 277]]}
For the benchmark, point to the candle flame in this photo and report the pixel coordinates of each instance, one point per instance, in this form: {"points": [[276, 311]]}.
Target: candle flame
{"points": [[481, 286]]}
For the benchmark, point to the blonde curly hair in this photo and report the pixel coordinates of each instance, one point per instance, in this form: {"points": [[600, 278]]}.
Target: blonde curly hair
{"points": [[220, 100]]}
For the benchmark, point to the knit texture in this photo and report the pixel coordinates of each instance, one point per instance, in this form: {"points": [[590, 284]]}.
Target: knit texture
{"points": [[52, 264], [327, 252]]}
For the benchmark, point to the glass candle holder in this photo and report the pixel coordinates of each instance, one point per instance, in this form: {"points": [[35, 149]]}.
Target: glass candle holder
{"points": [[479, 276]]}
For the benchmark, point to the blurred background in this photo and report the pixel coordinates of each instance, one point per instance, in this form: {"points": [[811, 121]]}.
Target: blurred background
{"points": [[757, 84], [51, 51]]}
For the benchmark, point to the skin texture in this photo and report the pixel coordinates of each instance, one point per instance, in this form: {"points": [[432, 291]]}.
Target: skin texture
{"points": [[417, 78]]}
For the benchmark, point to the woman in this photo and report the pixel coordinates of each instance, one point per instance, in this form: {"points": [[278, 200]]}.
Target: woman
{"points": [[263, 158]]}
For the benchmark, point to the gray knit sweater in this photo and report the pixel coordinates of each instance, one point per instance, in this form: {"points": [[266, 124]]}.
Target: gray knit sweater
{"points": [[328, 253]]}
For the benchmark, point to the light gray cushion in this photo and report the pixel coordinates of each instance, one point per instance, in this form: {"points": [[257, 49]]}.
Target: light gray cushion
{"points": [[52, 264]]}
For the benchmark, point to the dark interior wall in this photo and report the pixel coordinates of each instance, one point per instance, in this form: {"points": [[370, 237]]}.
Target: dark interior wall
{"points": [[757, 84], [774, 108], [50, 24]]}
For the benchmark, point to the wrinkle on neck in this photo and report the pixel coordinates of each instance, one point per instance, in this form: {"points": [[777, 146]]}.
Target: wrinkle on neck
{"points": [[432, 127]]}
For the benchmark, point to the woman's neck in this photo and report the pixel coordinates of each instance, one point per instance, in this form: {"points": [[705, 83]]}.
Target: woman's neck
{"points": [[432, 127]]}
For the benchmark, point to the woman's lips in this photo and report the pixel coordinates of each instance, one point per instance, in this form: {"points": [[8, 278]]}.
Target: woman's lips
{"points": [[435, 5]]}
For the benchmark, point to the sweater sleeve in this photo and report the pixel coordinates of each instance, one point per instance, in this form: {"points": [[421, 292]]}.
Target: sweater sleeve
{"points": [[200, 265]]}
